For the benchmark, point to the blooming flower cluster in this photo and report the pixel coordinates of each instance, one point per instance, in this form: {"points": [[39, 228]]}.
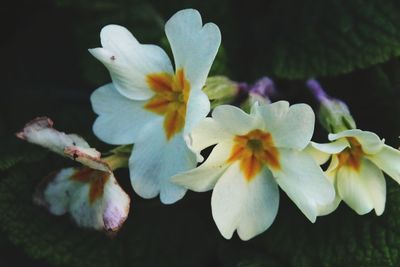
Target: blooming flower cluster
{"points": [[162, 110], [254, 154]]}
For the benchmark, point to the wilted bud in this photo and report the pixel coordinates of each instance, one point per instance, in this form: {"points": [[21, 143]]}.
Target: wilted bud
{"points": [[220, 90], [92, 197], [333, 114], [90, 194], [40, 131]]}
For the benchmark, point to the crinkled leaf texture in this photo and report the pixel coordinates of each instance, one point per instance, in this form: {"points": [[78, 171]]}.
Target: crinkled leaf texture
{"points": [[154, 234], [15, 156], [288, 39], [343, 239], [183, 232], [300, 39]]}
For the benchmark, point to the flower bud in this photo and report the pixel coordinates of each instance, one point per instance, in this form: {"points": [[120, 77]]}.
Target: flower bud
{"points": [[220, 90], [258, 92], [333, 114]]}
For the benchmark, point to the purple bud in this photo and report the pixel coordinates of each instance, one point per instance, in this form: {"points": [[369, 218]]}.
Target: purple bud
{"points": [[333, 113], [264, 87], [317, 90], [243, 87]]}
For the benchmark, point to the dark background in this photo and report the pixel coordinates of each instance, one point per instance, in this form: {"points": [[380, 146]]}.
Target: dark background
{"points": [[352, 47]]}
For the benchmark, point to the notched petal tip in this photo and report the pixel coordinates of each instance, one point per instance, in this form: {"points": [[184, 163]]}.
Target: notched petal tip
{"points": [[112, 29]]}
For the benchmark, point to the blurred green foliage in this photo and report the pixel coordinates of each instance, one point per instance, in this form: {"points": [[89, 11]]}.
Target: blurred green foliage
{"points": [[351, 46]]}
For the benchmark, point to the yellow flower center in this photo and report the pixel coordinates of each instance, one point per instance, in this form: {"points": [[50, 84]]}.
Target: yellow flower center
{"points": [[351, 156], [170, 99], [253, 150]]}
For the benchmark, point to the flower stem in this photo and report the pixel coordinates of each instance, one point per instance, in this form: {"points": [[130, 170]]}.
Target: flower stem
{"points": [[119, 157]]}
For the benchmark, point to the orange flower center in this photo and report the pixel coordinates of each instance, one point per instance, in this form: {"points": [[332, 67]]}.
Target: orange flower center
{"points": [[253, 150], [170, 99], [352, 155], [96, 179]]}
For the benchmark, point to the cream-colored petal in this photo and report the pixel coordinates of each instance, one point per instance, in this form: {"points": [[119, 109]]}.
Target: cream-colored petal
{"points": [[291, 127], [130, 62], [332, 206], [155, 160], [362, 190], [319, 156], [204, 177], [370, 142], [304, 182], [248, 207], [207, 133], [322, 152], [120, 119], [388, 160], [261, 206], [198, 107], [234, 120], [193, 45]]}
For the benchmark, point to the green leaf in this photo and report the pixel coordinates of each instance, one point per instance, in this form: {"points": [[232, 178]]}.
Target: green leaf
{"points": [[302, 39], [19, 152], [342, 239], [154, 235]]}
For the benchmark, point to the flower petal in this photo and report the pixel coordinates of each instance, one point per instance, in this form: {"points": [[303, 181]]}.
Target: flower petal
{"points": [[155, 160], [261, 206], [319, 157], [322, 152], [332, 147], [291, 127], [362, 190], [194, 46], [129, 62], [198, 107], [234, 120], [388, 160], [370, 142], [207, 133], [376, 184], [329, 208], [120, 119], [204, 177], [304, 182], [249, 207]]}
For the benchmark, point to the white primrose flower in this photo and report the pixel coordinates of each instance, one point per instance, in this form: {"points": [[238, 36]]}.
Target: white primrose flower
{"points": [[255, 153], [357, 161], [91, 194], [152, 104]]}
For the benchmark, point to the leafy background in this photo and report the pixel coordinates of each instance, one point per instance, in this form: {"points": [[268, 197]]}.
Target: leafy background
{"points": [[352, 47]]}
